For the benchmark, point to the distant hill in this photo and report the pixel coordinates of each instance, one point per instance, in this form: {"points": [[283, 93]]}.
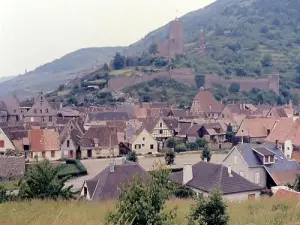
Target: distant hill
{"points": [[2, 79], [60, 71]]}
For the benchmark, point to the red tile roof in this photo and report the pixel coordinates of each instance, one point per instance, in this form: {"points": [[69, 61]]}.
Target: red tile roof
{"points": [[43, 140], [286, 194]]}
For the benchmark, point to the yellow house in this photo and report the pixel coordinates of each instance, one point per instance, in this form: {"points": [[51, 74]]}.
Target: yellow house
{"points": [[143, 143]]}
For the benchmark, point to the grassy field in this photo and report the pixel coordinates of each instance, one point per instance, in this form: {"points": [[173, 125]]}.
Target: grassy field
{"points": [[10, 185], [260, 212]]}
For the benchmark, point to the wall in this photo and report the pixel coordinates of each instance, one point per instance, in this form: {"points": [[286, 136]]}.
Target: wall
{"points": [[144, 138], [57, 155], [99, 152], [65, 149], [7, 143], [249, 173]]}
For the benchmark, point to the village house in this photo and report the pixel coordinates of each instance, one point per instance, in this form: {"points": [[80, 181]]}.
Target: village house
{"points": [[213, 132], [107, 184], [5, 142], [101, 118], [43, 144], [98, 141], [203, 177], [205, 104], [281, 112], [264, 165], [255, 129], [70, 144], [143, 143], [41, 111]]}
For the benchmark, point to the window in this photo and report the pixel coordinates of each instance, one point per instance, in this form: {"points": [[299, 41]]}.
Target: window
{"points": [[235, 159], [1, 144], [47, 110], [160, 131], [257, 178], [31, 155], [44, 154], [151, 147], [143, 145], [15, 110], [242, 173], [52, 154], [68, 143], [160, 124], [137, 146], [143, 139], [35, 111], [41, 111], [50, 118], [26, 147], [43, 119], [85, 191]]}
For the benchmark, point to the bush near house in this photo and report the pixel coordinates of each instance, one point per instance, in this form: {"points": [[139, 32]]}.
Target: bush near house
{"points": [[73, 168]]}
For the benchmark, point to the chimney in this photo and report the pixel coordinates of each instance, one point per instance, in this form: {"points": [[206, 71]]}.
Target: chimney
{"points": [[187, 173], [112, 167], [229, 171], [277, 144], [205, 159]]}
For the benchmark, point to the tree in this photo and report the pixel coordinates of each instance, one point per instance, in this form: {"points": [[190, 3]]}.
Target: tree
{"points": [[234, 87], [170, 157], [201, 142], [171, 143], [181, 147], [206, 154], [142, 201], [41, 181], [3, 195], [61, 87], [153, 49], [131, 156], [297, 183], [105, 67], [211, 210], [266, 61], [200, 80], [119, 61], [229, 133]]}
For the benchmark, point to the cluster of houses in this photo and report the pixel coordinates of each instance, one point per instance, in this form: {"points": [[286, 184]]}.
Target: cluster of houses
{"points": [[264, 150]]}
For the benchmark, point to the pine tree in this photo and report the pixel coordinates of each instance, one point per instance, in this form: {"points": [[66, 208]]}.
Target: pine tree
{"points": [[41, 181], [170, 157], [206, 154]]}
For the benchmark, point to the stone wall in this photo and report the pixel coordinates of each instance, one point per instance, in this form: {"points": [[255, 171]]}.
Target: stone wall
{"points": [[11, 167]]}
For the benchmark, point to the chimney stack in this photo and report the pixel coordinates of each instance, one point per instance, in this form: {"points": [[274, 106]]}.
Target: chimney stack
{"points": [[277, 144], [205, 159], [187, 173], [112, 167]]}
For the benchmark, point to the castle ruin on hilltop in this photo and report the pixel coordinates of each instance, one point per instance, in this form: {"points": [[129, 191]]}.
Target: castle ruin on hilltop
{"points": [[175, 44]]}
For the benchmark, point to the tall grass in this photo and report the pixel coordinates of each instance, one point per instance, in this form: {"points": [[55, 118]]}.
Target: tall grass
{"points": [[260, 212]]}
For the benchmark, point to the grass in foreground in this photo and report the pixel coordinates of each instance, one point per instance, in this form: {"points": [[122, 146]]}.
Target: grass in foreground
{"points": [[260, 212]]}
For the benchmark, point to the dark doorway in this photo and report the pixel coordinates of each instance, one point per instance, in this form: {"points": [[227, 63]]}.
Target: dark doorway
{"points": [[71, 155], [78, 154], [89, 153]]}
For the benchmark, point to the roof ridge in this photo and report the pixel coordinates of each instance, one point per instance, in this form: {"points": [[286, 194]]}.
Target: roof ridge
{"points": [[106, 175]]}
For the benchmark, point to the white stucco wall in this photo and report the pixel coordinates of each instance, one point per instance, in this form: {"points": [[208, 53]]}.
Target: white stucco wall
{"points": [[7, 143], [57, 156], [144, 140]]}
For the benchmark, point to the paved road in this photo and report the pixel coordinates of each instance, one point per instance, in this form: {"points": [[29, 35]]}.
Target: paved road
{"points": [[95, 166]]}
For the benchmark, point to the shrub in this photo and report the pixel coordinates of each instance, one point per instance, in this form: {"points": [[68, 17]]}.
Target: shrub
{"points": [[206, 154], [201, 142], [171, 143], [131, 156], [170, 157], [182, 191], [180, 148], [72, 168], [192, 146], [234, 88]]}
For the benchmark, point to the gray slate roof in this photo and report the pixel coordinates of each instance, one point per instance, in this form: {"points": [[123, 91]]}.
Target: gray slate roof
{"points": [[106, 184], [103, 116], [282, 164], [207, 176]]}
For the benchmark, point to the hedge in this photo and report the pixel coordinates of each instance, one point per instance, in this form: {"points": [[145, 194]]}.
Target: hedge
{"points": [[73, 168]]}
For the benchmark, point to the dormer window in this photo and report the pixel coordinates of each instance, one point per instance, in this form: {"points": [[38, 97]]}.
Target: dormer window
{"points": [[266, 156]]}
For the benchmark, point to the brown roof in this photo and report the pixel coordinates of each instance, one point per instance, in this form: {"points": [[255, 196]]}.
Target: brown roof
{"points": [[286, 194], [240, 108], [296, 155], [284, 178], [106, 184], [214, 128], [119, 125], [139, 112], [43, 140], [285, 129], [149, 123], [102, 135], [208, 104], [256, 127]]}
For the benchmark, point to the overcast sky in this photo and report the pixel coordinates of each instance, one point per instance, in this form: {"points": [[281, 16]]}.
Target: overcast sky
{"points": [[34, 32]]}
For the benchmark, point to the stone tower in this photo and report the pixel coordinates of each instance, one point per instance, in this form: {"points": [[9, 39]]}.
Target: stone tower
{"points": [[176, 38]]}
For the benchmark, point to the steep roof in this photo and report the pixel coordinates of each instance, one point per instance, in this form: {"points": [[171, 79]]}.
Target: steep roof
{"points": [[106, 184], [102, 135], [208, 104], [207, 176], [12, 105], [280, 166], [256, 127], [43, 140]]}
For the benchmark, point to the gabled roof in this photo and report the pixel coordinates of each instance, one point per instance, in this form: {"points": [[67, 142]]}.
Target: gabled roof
{"points": [[102, 135], [208, 104], [12, 105], [214, 128], [43, 140], [264, 151], [106, 184], [104, 116], [207, 176], [280, 166]]}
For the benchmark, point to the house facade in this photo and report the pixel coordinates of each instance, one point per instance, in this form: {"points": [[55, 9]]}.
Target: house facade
{"points": [[143, 143], [5, 142], [41, 111], [70, 145]]}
